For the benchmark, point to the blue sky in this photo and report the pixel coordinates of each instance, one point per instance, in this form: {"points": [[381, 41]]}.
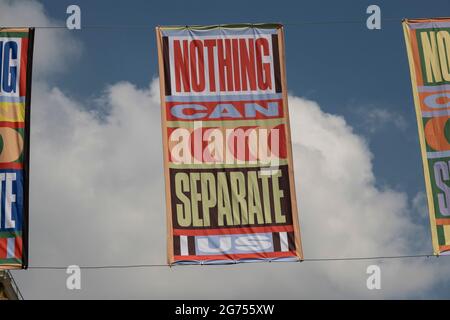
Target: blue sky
{"points": [[349, 72]]}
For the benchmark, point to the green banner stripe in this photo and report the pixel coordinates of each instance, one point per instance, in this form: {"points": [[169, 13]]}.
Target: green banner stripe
{"points": [[219, 165], [13, 34], [11, 261], [226, 124], [441, 235], [10, 234]]}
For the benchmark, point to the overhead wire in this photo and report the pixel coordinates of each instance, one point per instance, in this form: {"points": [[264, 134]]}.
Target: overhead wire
{"points": [[149, 26], [164, 265]]}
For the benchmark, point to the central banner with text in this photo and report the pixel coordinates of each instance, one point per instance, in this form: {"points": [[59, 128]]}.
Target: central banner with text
{"points": [[230, 193]]}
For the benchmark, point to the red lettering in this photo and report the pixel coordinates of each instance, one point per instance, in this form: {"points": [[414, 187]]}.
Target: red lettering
{"points": [[181, 65], [237, 78], [238, 64], [247, 64], [224, 62], [197, 65], [263, 69], [210, 44]]}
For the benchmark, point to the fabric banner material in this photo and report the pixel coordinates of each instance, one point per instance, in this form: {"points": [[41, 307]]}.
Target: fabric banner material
{"points": [[16, 51], [230, 193], [428, 47]]}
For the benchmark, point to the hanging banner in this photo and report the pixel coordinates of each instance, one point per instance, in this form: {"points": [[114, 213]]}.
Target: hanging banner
{"points": [[428, 46], [16, 51], [230, 191]]}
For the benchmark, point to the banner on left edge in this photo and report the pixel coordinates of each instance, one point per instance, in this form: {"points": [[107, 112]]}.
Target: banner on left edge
{"points": [[16, 55]]}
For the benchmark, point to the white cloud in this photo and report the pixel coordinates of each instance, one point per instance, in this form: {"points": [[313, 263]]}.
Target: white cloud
{"points": [[374, 119], [420, 205], [97, 198]]}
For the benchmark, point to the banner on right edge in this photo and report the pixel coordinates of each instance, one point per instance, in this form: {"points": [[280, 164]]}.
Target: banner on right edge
{"points": [[428, 47]]}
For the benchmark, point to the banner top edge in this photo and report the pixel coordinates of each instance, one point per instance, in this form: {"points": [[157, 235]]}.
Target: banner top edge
{"points": [[15, 29], [422, 20], [221, 26]]}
